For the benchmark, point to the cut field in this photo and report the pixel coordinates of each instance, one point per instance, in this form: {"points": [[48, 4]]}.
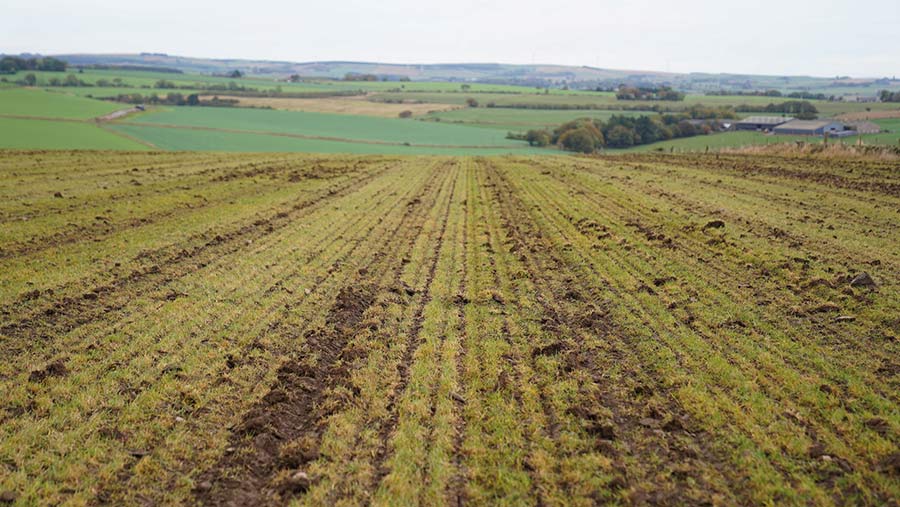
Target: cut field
{"points": [[250, 329], [358, 105]]}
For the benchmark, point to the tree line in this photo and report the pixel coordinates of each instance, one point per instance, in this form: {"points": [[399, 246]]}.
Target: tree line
{"points": [[587, 135], [641, 93], [174, 99], [888, 96], [772, 93], [800, 109], [13, 64]]}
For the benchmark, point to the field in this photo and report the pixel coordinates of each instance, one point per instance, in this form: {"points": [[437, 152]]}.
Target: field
{"points": [[358, 105], [37, 103], [325, 126], [180, 139], [287, 329], [521, 119], [608, 101], [61, 135]]}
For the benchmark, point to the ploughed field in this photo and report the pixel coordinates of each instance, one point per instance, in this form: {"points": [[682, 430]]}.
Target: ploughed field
{"points": [[249, 329]]}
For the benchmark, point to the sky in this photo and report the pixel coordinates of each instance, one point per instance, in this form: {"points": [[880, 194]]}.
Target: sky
{"points": [[787, 37]]}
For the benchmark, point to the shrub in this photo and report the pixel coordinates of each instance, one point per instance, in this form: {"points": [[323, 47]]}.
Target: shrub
{"points": [[620, 137], [581, 139], [538, 138]]}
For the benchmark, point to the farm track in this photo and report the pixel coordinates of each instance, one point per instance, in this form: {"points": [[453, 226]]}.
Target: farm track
{"points": [[336, 330]]}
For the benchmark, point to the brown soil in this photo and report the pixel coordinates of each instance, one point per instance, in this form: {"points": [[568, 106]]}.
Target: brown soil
{"points": [[291, 409]]}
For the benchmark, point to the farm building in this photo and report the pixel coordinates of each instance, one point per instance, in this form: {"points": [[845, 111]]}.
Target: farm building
{"points": [[761, 122], [864, 127], [809, 127]]}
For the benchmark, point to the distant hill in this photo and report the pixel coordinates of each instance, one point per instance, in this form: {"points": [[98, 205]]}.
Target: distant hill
{"points": [[529, 75]]}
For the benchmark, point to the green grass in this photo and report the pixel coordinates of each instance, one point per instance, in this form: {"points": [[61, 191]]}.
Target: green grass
{"points": [[521, 119], [30, 102], [206, 140], [60, 135], [608, 101], [332, 126], [890, 132]]}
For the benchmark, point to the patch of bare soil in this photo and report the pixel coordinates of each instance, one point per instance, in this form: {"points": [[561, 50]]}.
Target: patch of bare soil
{"points": [[269, 471]]}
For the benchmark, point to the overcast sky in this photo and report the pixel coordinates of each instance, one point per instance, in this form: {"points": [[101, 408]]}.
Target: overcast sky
{"points": [[795, 37]]}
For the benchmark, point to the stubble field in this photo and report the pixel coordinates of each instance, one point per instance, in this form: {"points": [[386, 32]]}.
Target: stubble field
{"points": [[286, 329]]}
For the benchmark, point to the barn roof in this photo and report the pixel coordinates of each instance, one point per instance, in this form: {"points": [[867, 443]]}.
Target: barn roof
{"points": [[806, 124], [766, 120]]}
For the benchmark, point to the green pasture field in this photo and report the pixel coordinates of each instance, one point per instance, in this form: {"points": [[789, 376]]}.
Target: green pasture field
{"points": [[31, 102], [60, 135], [890, 132], [521, 119], [332, 126], [177, 139]]}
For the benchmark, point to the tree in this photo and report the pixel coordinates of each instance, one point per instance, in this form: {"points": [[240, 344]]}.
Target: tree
{"points": [[580, 140], [538, 138], [465, 87], [620, 136], [51, 64], [405, 114], [471, 102], [72, 80], [30, 79], [193, 100], [236, 74]]}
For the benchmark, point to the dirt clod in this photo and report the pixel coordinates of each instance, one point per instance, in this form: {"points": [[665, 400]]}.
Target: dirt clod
{"points": [[879, 425], [714, 224], [298, 482], [891, 464], [548, 350], [55, 369], [863, 280], [8, 497]]}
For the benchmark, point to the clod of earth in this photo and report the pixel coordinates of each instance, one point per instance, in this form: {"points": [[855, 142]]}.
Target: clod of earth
{"points": [[863, 280], [55, 369], [714, 224]]}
